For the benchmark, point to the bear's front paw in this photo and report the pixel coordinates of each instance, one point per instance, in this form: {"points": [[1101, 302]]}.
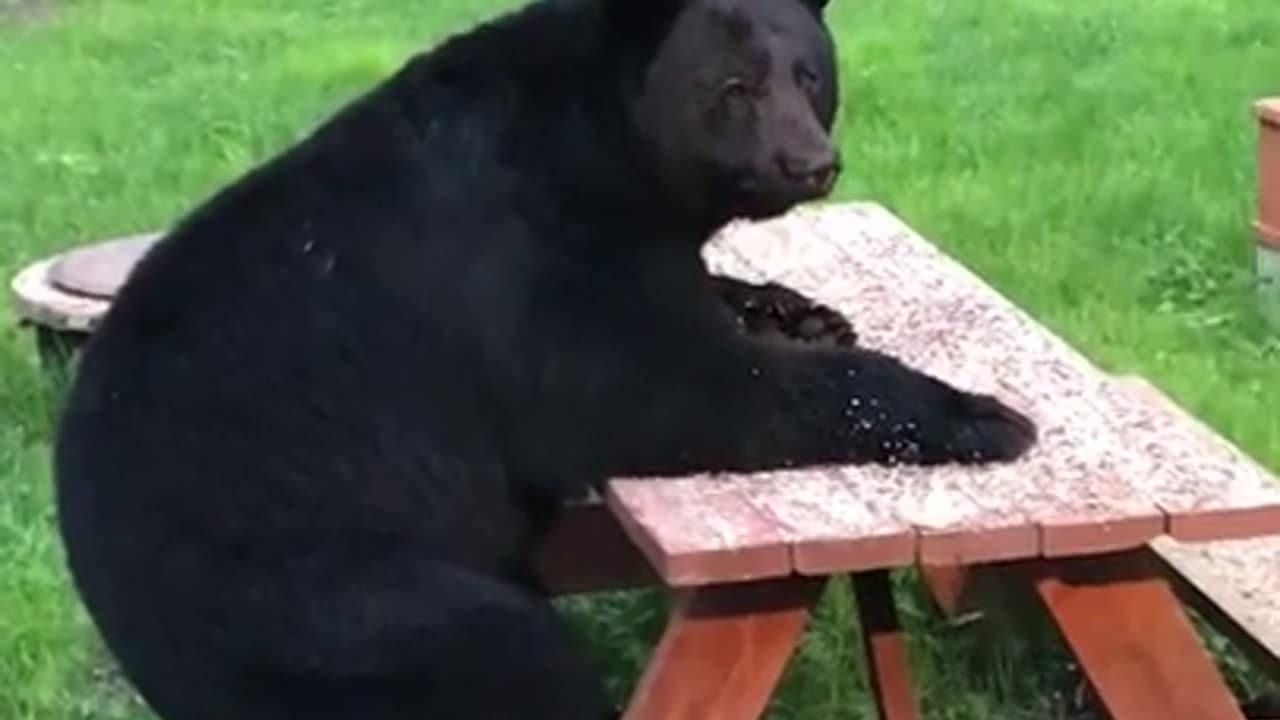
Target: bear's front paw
{"points": [[987, 430], [774, 310]]}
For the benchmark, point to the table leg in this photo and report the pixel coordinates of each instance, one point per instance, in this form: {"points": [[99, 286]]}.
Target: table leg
{"points": [[949, 586], [884, 647], [723, 650], [1135, 644]]}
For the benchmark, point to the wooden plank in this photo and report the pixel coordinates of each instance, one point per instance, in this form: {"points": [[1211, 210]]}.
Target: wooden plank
{"points": [[844, 520], [830, 525], [956, 524], [700, 530], [1235, 585], [883, 644], [1209, 489], [1267, 222], [723, 651], [1138, 649]]}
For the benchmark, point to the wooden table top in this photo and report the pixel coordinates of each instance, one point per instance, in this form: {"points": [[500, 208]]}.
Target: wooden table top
{"points": [[1112, 470]]}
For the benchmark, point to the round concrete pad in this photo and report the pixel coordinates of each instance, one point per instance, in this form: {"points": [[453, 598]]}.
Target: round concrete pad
{"points": [[98, 270]]}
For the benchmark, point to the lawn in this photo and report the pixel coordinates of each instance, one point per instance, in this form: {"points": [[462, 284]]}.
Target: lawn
{"points": [[1091, 159]]}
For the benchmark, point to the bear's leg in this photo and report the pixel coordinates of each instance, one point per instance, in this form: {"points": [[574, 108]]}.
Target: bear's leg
{"points": [[437, 642], [705, 400], [784, 407]]}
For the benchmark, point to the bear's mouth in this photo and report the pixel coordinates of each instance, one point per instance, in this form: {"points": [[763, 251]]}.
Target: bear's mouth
{"points": [[776, 195]]}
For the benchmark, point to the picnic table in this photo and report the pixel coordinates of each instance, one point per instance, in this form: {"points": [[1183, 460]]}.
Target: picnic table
{"points": [[1117, 468]]}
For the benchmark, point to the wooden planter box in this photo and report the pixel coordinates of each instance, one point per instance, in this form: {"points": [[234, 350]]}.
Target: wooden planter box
{"points": [[1267, 223]]}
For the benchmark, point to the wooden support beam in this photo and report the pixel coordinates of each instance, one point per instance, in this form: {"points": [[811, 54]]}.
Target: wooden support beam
{"points": [[1134, 643], [723, 651], [886, 652]]}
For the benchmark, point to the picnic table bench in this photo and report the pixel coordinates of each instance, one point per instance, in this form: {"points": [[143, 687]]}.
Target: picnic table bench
{"points": [[1118, 471]]}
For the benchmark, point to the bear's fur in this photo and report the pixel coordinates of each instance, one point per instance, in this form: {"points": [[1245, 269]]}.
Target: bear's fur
{"points": [[308, 453]]}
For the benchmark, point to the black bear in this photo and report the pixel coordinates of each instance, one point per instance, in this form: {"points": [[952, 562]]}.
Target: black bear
{"points": [[306, 457]]}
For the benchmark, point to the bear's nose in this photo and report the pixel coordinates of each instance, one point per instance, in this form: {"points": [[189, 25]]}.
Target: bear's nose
{"points": [[816, 173]]}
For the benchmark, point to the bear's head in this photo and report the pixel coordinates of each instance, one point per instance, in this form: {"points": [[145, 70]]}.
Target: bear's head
{"points": [[737, 104]]}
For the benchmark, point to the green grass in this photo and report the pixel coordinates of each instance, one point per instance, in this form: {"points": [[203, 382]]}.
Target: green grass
{"points": [[1093, 160]]}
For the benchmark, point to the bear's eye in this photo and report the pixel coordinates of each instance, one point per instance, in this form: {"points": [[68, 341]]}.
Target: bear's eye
{"points": [[734, 89], [806, 78]]}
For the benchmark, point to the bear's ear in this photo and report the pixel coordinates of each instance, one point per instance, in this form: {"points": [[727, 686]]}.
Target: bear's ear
{"points": [[816, 5]]}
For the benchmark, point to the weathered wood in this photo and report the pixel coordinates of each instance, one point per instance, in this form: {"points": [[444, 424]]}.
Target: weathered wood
{"points": [[1138, 649], [1110, 471], [723, 651], [722, 537], [833, 529], [1218, 492], [1235, 586], [885, 649], [1267, 224]]}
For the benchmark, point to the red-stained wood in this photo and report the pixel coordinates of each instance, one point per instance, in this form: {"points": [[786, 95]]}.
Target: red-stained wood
{"points": [[699, 531], [1238, 509], [723, 651], [831, 525], [1267, 223], [883, 644], [1136, 646], [1235, 586], [587, 551], [948, 585]]}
